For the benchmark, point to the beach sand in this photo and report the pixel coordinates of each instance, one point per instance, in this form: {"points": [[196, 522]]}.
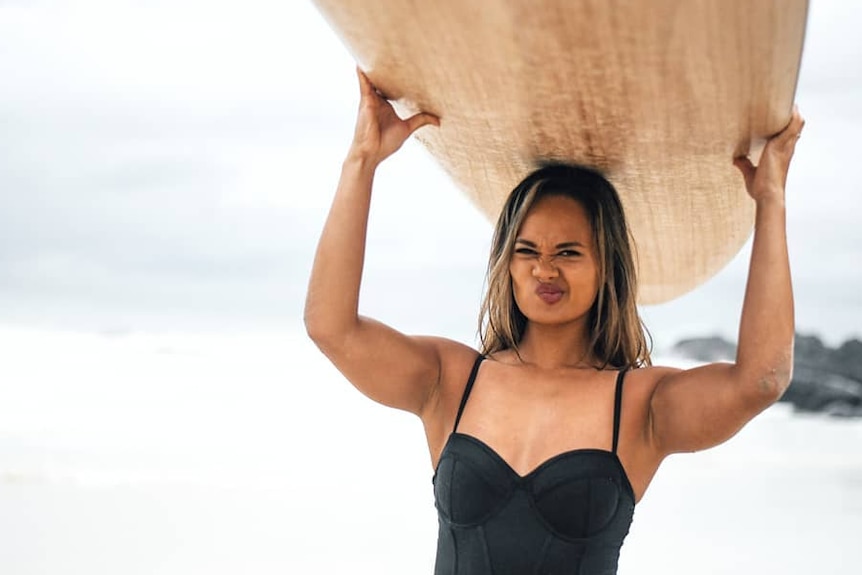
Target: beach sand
{"points": [[207, 454]]}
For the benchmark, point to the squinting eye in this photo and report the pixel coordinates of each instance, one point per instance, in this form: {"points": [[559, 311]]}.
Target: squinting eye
{"points": [[525, 251], [568, 253]]}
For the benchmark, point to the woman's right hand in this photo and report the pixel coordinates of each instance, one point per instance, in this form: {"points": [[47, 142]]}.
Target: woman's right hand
{"points": [[379, 131]]}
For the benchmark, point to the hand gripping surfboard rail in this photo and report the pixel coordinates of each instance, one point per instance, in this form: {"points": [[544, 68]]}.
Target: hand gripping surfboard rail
{"points": [[658, 95]]}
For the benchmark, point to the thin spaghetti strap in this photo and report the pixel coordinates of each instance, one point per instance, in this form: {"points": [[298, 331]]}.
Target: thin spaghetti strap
{"points": [[618, 403], [467, 389]]}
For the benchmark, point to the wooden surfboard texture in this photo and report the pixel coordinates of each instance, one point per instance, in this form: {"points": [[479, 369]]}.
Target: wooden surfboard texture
{"points": [[659, 95]]}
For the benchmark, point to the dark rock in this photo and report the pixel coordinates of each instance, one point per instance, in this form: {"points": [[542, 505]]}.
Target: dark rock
{"points": [[814, 389], [713, 348], [809, 346], [825, 380], [849, 358]]}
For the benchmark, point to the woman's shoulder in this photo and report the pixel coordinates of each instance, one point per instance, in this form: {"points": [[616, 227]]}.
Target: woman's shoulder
{"points": [[449, 349], [455, 357]]}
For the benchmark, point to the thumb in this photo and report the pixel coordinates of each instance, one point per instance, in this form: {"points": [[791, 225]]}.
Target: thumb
{"points": [[744, 165], [419, 120]]}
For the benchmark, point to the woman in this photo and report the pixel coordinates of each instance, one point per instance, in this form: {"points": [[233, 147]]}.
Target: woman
{"points": [[540, 470]]}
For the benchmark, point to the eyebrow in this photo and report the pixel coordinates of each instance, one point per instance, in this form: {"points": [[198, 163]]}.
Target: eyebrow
{"points": [[558, 246]]}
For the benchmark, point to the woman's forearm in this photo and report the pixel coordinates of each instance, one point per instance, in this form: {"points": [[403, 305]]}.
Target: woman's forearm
{"points": [[331, 305], [765, 352], [764, 357]]}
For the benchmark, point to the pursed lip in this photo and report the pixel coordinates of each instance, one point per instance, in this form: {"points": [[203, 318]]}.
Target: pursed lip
{"points": [[548, 289]]}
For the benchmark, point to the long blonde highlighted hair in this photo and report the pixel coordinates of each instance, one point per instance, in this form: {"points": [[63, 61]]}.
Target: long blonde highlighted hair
{"points": [[618, 337]]}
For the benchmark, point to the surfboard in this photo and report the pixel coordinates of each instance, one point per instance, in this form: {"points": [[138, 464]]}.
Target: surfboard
{"points": [[658, 95]]}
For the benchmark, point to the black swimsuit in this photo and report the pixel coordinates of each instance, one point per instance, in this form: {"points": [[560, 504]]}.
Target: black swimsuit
{"points": [[568, 516]]}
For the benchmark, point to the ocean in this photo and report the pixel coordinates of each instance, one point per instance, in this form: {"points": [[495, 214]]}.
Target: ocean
{"points": [[205, 453]]}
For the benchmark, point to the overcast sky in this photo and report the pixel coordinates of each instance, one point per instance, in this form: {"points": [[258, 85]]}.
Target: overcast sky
{"points": [[167, 166]]}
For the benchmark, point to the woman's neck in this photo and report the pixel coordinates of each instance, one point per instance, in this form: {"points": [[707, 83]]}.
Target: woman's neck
{"points": [[556, 347]]}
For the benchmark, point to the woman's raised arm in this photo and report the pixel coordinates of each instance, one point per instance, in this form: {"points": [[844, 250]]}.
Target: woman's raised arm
{"points": [[702, 407], [387, 366]]}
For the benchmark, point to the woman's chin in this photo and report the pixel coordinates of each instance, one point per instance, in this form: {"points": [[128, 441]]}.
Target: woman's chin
{"points": [[552, 316]]}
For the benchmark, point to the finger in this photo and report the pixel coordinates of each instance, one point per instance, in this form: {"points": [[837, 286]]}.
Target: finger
{"points": [[793, 130], [796, 123], [423, 119], [366, 88], [796, 117]]}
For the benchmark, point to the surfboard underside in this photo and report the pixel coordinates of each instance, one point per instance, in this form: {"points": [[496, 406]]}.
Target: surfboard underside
{"points": [[659, 96]]}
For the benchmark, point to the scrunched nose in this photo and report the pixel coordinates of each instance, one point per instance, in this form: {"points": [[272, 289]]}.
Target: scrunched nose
{"points": [[544, 269]]}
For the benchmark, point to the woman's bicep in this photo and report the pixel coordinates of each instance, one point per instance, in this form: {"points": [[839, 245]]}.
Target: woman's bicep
{"points": [[699, 408], [392, 368]]}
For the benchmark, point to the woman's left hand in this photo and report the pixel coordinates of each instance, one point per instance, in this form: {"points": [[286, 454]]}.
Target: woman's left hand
{"points": [[768, 178]]}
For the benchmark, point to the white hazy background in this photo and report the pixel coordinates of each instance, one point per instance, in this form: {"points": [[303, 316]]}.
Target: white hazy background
{"points": [[165, 170]]}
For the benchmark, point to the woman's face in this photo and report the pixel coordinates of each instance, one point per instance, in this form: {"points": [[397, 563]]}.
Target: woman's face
{"points": [[554, 263]]}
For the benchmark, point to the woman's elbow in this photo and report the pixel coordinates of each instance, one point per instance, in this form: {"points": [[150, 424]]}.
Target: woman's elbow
{"points": [[313, 329], [319, 331], [327, 332], [316, 327], [767, 384], [775, 382]]}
